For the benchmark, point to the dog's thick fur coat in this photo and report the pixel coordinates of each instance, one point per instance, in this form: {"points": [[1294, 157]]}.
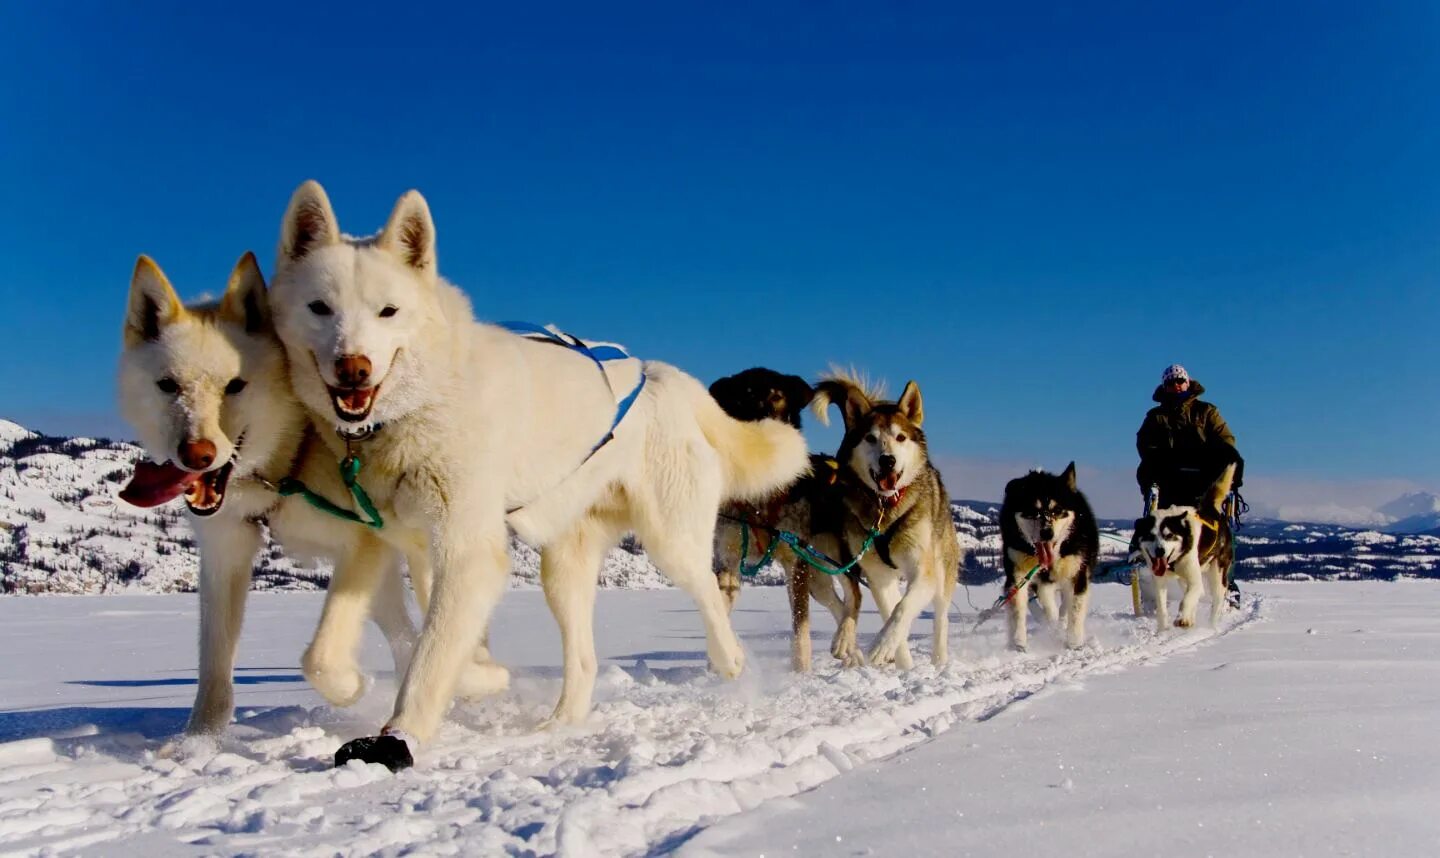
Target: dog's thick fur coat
{"points": [[810, 509], [1196, 545], [888, 483], [475, 428], [214, 376], [1046, 525]]}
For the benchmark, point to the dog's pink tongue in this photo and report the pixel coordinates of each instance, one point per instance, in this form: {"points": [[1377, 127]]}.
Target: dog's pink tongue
{"points": [[1045, 554], [1159, 565], [155, 484]]}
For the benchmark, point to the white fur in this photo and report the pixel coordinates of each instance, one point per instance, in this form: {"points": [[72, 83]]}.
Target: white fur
{"points": [[477, 421], [1185, 567], [202, 349]]}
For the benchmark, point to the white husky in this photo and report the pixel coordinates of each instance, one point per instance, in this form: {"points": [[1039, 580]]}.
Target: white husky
{"points": [[463, 428], [205, 388]]}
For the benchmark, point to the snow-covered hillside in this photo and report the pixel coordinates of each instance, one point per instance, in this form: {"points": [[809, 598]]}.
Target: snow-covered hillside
{"points": [[62, 530]]}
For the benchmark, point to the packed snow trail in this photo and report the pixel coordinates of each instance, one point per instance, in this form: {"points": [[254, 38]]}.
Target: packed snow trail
{"points": [[97, 682], [1313, 733]]}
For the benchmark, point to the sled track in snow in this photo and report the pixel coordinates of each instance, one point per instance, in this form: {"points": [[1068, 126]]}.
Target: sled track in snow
{"points": [[667, 752]]}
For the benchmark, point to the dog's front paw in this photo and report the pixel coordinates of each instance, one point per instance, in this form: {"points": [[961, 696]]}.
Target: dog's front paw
{"points": [[482, 679], [392, 752], [885, 651], [566, 714], [340, 684], [1184, 622], [190, 745], [728, 664]]}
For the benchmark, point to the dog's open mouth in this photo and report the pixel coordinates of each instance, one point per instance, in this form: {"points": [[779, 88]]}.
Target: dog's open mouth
{"points": [[1160, 564], [888, 483], [353, 404], [153, 485], [1045, 555]]}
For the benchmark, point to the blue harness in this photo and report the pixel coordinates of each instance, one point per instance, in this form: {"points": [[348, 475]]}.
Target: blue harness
{"points": [[599, 354]]}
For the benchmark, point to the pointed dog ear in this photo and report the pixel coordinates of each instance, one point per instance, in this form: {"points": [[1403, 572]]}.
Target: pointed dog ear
{"points": [[410, 234], [245, 302], [1069, 476], [309, 223], [910, 404], [153, 303]]}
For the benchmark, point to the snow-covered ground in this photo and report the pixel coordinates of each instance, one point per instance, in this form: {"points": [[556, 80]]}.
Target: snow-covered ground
{"points": [[1305, 727]]}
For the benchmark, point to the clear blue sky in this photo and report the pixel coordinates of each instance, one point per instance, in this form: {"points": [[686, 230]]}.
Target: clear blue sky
{"points": [[1030, 209]]}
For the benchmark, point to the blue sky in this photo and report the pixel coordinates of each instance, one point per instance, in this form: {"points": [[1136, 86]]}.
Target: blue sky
{"points": [[1029, 209]]}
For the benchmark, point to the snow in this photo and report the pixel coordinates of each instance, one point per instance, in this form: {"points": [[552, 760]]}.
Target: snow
{"points": [[1278, 725], [1309, 733]]}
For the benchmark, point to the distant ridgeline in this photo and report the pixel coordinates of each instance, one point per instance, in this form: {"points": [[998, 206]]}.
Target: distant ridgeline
{"points": [[62, 530]]}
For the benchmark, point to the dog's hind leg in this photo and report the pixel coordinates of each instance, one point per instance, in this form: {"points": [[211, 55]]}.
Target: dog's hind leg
{"points": [[393, 618], [569, 573], [798, 585], [227, 554], [729, 582], [941, 606], [680, 548]]}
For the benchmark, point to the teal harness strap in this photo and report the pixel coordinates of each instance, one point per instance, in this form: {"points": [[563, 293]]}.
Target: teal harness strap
{"points": [[350, 475], [816, 560], [812, 556], [752, 571]]}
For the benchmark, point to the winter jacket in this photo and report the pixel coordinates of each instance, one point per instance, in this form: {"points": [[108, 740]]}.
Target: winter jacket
{"points": [[1184, 445]]}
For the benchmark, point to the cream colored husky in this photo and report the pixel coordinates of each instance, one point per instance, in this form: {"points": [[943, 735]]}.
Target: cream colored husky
{"points": [[465, 428], [205, 389]]}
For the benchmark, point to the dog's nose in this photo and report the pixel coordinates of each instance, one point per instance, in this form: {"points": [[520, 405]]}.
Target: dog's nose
{"points": [[887, 463], [1047, 534], [197, 455], [352, 370]]}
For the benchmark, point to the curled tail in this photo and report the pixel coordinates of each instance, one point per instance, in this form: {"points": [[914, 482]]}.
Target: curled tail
{"points": [[1215, 497], [758, 457]]}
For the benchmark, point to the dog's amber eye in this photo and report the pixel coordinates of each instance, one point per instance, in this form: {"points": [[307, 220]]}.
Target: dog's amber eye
{"points": [[168, 385], [390, 310], [870, 439], [900, 438], [235, 386], [319, 308]]}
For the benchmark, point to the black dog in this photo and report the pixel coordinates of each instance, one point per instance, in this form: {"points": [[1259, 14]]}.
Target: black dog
{"points": [[1046, 525], [763, 394]]}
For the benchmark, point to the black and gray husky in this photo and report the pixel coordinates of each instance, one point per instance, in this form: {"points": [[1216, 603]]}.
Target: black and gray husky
{"points": [[1048, 529]]}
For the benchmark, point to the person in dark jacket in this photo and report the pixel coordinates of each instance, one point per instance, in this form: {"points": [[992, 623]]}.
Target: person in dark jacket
{"points": [[1184, 443], [1184, 446]]}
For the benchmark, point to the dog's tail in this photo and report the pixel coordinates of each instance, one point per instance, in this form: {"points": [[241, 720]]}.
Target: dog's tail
{"points": [[758, 457], [1215, 497], [850, 390]]}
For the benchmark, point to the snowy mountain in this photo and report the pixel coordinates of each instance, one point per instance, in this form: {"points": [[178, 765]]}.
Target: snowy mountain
{"points": [[62, 530], [1417, 512]]}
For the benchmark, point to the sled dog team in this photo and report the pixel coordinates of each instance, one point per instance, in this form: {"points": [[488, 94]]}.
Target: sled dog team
{"points": [[357, 410]]}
